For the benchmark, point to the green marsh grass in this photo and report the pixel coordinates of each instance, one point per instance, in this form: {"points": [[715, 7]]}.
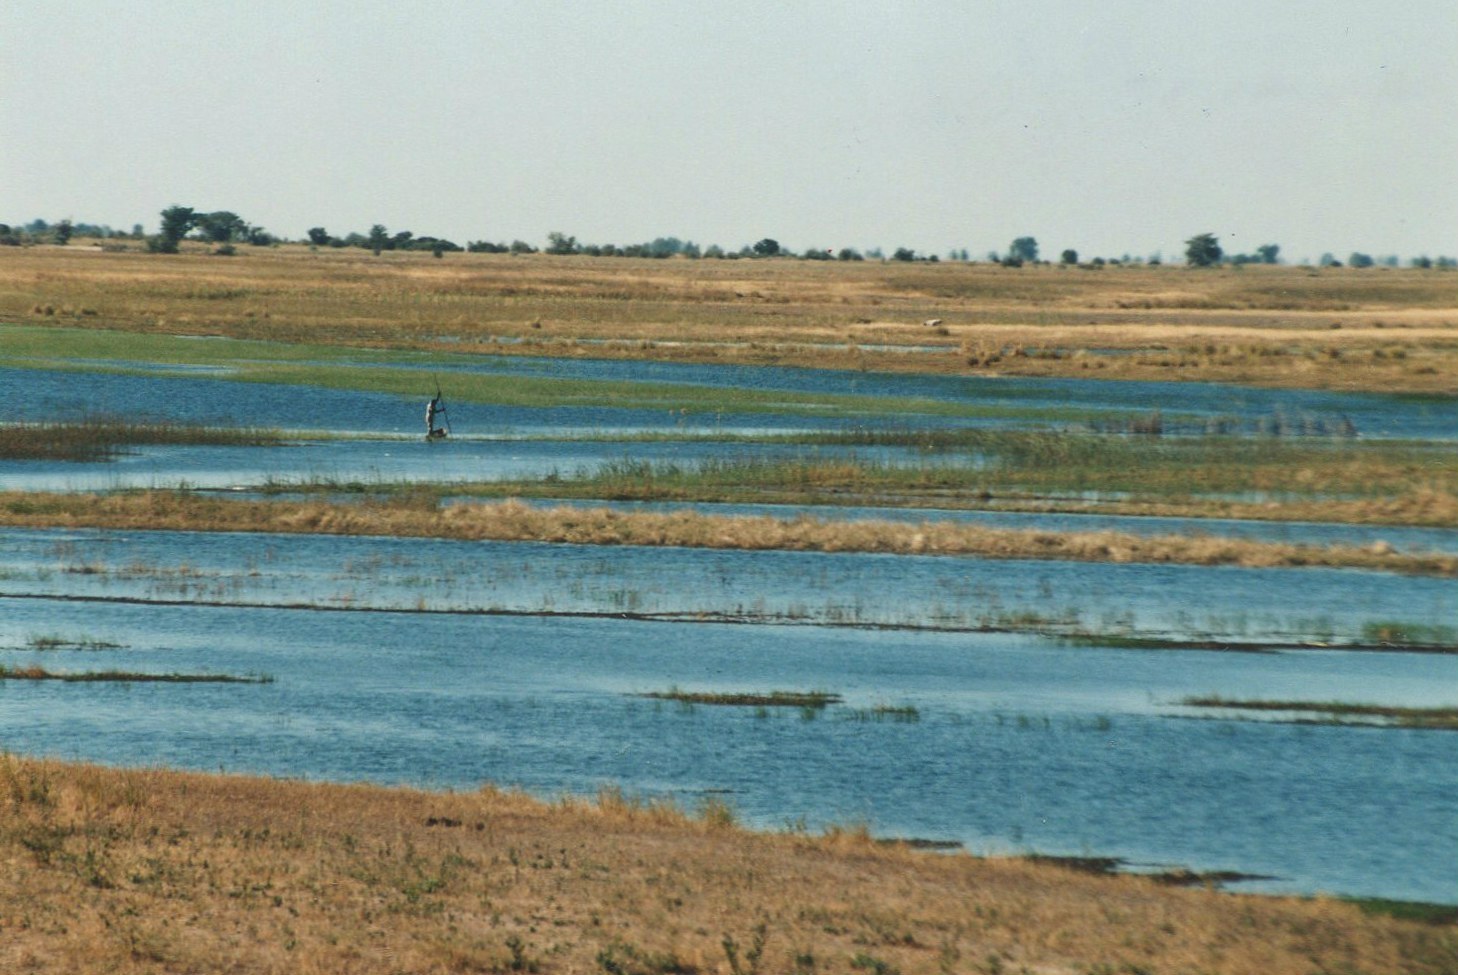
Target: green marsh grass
{"points": [[55, 641], [101, 437], [123, 676], [771, 699], [1405, 634], [1338, 712], [1401, 482]]}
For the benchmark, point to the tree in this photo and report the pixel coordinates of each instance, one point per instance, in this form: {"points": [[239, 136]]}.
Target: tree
{"points": [[1358, 259], [1070, 256], [560, 243], [379, 237], [1269, 253], [1024, 249], [849, 254], [318, 236], [176, 222], [768, 247], [903, 254], [63, 231], [1203, 250], [221, 226]]}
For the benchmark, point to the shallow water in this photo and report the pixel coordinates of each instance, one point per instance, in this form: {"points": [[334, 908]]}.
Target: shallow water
{"points": [[36, 394], [412, 459], [1162, 601], [1021, 743], [1373, 415]]}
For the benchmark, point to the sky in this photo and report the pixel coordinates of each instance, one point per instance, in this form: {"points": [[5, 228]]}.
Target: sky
{"points": [[1122, 127]]}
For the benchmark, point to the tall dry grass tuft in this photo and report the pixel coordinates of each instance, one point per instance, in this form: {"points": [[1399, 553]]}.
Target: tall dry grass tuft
{"points": [[135, 871]]}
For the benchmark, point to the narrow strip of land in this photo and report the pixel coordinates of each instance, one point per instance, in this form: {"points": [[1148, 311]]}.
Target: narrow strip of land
{"points": [[516, 521]]}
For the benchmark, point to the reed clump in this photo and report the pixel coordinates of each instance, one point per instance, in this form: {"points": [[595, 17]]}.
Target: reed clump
{"points": [[148, 870]]}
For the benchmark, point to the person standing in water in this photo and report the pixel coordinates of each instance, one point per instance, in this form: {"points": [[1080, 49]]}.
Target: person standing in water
{"points": [[431, 409]]}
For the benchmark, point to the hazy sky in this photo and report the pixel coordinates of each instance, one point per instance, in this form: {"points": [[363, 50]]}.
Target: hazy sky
{"points": [[1114, 127]]}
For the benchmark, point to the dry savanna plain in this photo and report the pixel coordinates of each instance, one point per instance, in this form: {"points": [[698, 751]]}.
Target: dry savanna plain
{"points": [[143, 870]]}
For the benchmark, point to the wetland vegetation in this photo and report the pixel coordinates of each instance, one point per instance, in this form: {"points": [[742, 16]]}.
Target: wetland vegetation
{"points": [[101, 437], [36, 672], [768, 699], [1337, 712]]}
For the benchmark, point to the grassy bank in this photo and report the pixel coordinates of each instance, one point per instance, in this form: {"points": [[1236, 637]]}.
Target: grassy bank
{"points": [[515, 521], [135, 871], [1380, 329]]}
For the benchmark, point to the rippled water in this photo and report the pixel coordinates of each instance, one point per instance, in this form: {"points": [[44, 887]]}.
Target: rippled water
{"points": [[1020, 743]]}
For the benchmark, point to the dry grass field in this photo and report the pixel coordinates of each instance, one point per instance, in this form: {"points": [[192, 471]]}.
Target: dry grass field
{"points": [[145, 871], [1339, 328]]}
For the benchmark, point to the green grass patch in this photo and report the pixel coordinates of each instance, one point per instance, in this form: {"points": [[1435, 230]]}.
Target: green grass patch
{"points": [[773, 699], [899, 713], [101, 438], [53, 641], [1338, 712], [126, 677], [1402, 634], [1425, 913]]}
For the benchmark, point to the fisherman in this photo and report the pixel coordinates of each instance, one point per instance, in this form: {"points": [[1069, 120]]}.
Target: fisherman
{"points": [[431, 409]]}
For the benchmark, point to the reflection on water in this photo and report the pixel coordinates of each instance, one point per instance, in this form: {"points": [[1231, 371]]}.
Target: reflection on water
{"points": [[1019, 743]]}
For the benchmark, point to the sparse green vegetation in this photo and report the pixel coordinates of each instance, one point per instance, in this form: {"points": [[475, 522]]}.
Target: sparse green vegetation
{"points": [[1411, 635], [35, 672], [54, 641], [1337, 712], [771, 699]]}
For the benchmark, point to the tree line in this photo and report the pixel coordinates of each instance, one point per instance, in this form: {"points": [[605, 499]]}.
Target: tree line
{"points": [[224, 229]]}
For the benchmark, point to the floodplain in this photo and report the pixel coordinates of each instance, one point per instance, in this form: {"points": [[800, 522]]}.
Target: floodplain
{"points": [[973, 585]]}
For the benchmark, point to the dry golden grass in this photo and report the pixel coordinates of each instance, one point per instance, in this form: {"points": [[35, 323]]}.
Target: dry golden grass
{"points": [[514, 521], [134, 871], [1377, 329]]}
